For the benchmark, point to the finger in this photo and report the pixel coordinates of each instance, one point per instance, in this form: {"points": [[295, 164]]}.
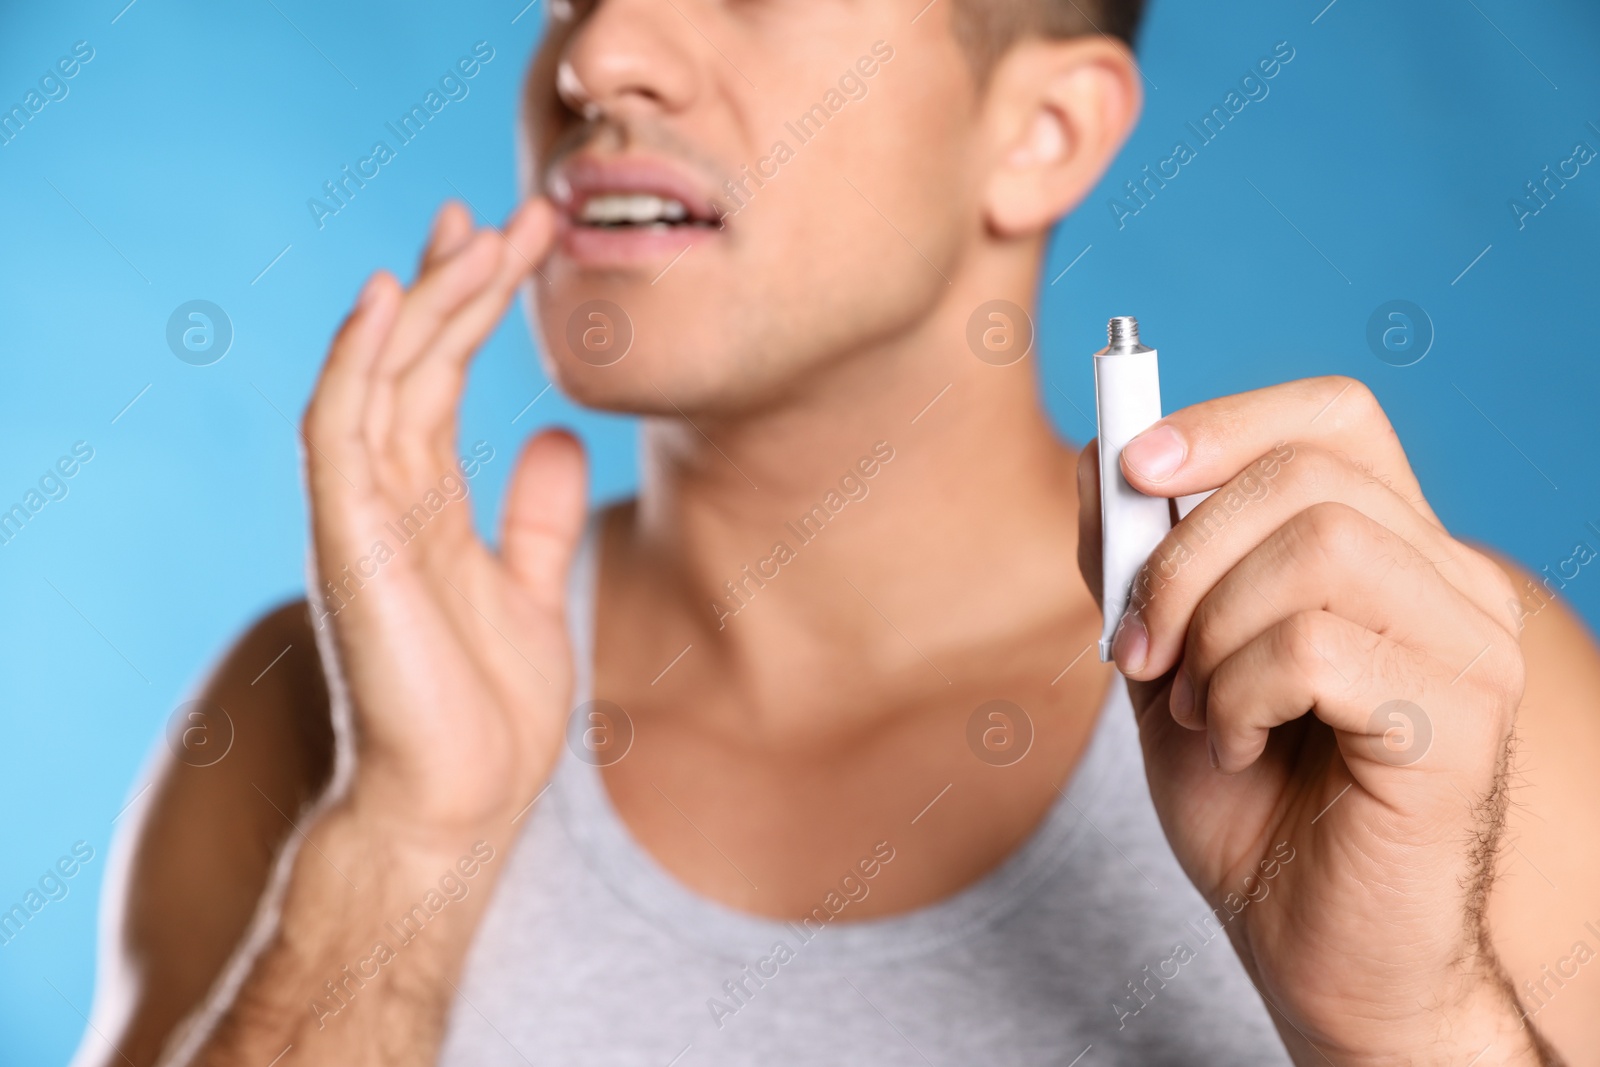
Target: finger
{"points": [[1203, 446], [1312, 661], [1232, 523], [1386, 705], [452, 227], [428, 392], [1331, 558], [545, 509], [436, 296], [1089, 555], [332, 423]]}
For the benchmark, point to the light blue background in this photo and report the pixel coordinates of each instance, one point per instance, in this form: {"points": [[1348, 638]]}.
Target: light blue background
{"points": [[179, 167]]}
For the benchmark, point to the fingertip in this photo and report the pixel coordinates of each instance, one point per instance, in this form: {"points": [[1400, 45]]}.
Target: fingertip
{"points": [[452, 225], [375, 293], [1089, 470], [456, 220], [380, 285], [1089, 547], [1183, 704], [1130, 646], [530, 229], [379, 297], [560, 454], [546, 510], [1153, 457], [369, 290], [453, 221], [533, 208]]}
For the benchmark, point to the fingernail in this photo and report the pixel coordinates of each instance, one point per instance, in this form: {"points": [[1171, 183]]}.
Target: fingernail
{"points": [[1182, 698], [1130, 646], [368, 291], [1155, 455], [1211, 750]]}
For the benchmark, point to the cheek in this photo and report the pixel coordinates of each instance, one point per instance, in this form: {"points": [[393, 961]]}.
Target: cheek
{"points": [[874, 218], [897, 183]]}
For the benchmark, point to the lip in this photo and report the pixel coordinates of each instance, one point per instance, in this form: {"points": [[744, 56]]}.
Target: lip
{"points": [[581, 177]]}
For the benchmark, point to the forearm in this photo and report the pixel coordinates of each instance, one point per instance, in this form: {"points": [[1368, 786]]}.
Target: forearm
{"points": [[360, 966]]}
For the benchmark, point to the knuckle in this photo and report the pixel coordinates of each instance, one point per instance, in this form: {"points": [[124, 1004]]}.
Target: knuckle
{"points": [[1334, 531], [1499, 586], [1504, 669], [1316, 472], [1358, 402], [1305, 642]]}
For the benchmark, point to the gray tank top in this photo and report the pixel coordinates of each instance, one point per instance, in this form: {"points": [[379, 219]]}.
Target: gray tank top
{"points": [[1086, 947]]}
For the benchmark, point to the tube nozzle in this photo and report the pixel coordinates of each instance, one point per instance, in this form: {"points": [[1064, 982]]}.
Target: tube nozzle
{"points": [[1122, 333]]}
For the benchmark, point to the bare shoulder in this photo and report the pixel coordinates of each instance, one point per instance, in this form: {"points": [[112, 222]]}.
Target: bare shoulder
{"points": [[1545, 907], [195, 852]]}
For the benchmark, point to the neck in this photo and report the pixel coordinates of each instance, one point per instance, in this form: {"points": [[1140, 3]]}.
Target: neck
{"points": [[912, 504]]}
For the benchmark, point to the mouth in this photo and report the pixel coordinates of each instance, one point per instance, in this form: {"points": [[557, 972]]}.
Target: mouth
{"points": [[623, 210], [629, 210]]}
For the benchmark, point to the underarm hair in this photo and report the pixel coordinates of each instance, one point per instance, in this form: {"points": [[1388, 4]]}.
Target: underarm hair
{"points": [[1487, 843]]}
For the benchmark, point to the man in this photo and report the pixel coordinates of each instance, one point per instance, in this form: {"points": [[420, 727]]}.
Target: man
{"points": [[802, 761]]}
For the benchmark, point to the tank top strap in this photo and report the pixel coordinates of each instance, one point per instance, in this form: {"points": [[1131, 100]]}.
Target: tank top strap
{"points": [[583, 579]]}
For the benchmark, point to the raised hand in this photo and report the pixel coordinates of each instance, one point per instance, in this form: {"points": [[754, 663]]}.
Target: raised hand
{"points": [[1321, 672], [451, 658], [448, 662]]}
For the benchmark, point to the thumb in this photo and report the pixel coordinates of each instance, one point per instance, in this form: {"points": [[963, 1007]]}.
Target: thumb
{"points": [[544, 515]]}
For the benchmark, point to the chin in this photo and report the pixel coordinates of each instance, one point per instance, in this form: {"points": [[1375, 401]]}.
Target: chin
{"points": [[649, 379]]}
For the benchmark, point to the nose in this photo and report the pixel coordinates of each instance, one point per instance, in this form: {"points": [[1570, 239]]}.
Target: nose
{"points": [[630, 59]]}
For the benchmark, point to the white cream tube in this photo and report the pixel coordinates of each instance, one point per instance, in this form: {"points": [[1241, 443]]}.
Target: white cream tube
{"points": [[1127, 392]]}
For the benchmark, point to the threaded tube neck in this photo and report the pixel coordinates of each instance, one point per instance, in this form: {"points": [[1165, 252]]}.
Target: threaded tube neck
{"points": [[1123, 332]]}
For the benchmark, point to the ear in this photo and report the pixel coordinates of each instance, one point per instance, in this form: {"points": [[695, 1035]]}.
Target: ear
{"points": [[1059, 111]]}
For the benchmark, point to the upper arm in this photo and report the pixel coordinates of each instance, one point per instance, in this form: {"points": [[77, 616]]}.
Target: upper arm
{"points": [[1544, 909], [194, 855]]}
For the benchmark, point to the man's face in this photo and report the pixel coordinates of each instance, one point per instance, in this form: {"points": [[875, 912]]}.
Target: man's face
{"points": [[764, 188]]}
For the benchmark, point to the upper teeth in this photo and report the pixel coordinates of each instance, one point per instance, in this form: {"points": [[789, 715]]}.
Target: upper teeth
{"points": [[633, 207]]}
